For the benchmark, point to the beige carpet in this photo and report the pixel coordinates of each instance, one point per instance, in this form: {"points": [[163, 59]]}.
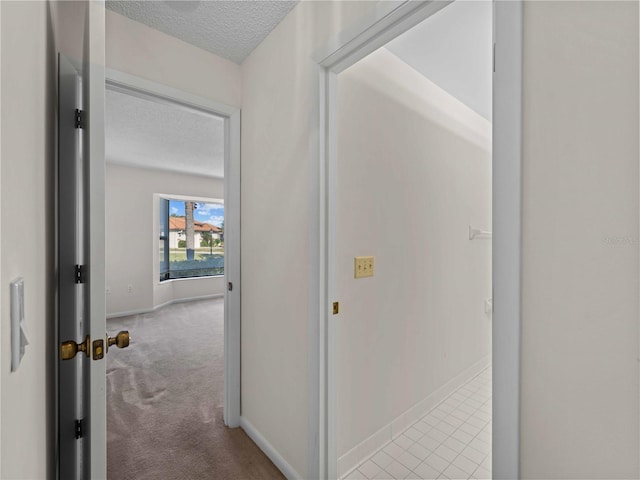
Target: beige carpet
{"points": [[165, 401]]}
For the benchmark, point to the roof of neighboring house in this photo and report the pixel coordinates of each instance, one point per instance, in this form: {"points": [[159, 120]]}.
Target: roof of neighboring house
{"points": [[179, 223]]}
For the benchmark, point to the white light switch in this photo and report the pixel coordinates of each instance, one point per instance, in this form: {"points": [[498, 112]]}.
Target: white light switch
{"points": [[19, 339]]}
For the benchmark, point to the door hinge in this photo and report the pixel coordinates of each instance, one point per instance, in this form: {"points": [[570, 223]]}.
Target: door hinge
{"points": [[80, 118], [81, 274], [79, 428]]}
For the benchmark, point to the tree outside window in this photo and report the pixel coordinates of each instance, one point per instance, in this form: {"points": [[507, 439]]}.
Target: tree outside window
{"points": [[192, 239]]}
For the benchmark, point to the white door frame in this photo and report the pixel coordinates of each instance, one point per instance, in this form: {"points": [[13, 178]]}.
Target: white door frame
{"points": [[143, 88], [389, 21]]}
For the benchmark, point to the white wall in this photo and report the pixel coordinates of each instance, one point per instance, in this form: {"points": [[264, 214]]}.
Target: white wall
{"points": [[579, 388], [1, 299], [580, 297], [138, 50], [279, 172], [132, 243], [26, 194], [451, 47], [26, 189], [414, 171], [176, 235]]}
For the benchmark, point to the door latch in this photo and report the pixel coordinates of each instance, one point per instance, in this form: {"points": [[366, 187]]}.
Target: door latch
{"points": [[100, 347]]}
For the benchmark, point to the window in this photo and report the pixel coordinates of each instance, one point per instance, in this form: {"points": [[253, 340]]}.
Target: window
{"points": [[191, 239]]}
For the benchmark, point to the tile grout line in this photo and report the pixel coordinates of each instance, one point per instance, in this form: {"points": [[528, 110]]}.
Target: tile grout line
{"points": [[465, 395]]}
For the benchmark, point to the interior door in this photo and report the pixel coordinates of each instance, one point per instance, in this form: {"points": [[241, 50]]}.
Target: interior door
{"points": [[81, 343], [72, 301]]}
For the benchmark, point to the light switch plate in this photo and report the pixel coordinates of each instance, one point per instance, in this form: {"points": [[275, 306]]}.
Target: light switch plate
{"points": [[363, 267], [19, 338]]}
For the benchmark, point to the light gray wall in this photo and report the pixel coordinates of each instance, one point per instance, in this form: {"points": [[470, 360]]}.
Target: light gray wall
{"points": [[27, 217], [132, 238], [413, 172], [138, 50], [454, 49], [580, 241], [580, 296], [1, 299], [279, 172]]}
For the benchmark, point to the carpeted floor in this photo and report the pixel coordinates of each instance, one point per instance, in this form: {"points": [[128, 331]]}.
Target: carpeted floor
{"points": [[165, 401]]}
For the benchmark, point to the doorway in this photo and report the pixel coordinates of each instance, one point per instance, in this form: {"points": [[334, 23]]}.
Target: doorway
{"points": [[172, 271], [413, 192], [505, 225]]}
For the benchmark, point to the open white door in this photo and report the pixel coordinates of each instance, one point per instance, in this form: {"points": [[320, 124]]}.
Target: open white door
{"points": [[95, 50], [81, 302], [71, 291]]}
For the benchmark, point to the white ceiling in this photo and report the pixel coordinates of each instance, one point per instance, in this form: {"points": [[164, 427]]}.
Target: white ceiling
{"points": [[454, 49], [144, 133], [230, 29]]}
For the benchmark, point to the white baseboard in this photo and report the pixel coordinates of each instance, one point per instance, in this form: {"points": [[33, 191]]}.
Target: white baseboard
{"points": [[162, 305], [391, 430], [282, 465]]}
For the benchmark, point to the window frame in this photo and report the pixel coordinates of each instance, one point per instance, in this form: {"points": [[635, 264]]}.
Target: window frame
{"points": [[165, 276]]}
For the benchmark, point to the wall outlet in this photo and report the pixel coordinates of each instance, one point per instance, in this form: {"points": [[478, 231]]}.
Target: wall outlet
{"points": [[108, 290], [363, 267], [130, 288]]}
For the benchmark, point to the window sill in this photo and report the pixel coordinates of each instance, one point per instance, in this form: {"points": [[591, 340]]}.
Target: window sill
{"points": [[170, 280]]}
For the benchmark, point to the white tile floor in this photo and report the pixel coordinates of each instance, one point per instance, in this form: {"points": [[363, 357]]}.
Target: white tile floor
{"points": [[452, 441]]}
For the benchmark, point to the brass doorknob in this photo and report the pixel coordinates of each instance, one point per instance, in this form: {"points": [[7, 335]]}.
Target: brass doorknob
{"points": [[68, 350], [121, 340]]}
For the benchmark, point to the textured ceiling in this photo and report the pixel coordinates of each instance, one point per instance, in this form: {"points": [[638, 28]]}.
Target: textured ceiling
{"points": [[454, 49], [230, 29], [148, 134]]}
